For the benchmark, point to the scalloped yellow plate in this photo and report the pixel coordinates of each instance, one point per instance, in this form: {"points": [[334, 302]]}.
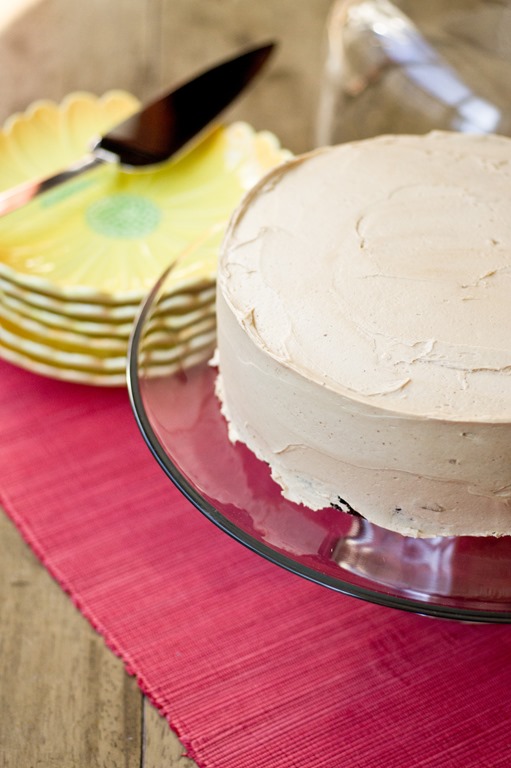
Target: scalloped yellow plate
{"points": [[68, 314], [177, 314], [33, 354], [102, 345], [108, 235], [113, 378]]}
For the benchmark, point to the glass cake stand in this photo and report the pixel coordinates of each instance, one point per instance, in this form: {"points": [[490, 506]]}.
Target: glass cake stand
{"points": [[463, 578]]}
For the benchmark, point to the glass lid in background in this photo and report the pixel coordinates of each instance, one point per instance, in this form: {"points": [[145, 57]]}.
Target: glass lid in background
{"points": [[408, 66]]}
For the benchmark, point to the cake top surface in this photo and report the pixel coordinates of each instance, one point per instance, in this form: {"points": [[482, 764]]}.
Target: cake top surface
{"points": [[382, 270]]}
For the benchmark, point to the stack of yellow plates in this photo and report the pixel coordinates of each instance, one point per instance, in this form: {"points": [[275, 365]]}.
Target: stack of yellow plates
{"points": [[76, 262]]}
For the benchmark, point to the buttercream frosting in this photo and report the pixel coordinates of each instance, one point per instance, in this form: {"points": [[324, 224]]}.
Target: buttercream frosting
{"points": [[364, 321]]}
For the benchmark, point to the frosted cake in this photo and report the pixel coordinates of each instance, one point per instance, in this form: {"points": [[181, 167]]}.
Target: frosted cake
{"points": [[364, 331]]}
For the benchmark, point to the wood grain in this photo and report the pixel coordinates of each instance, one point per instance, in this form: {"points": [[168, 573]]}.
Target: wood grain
{"points": [[145, 46], [65, 699], [161, 748]]}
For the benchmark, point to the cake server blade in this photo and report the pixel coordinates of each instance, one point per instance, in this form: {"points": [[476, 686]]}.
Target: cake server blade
{"points": [[159, 130]]}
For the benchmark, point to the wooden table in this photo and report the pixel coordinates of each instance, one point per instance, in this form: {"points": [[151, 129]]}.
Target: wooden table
{"points": [[65, 700]]}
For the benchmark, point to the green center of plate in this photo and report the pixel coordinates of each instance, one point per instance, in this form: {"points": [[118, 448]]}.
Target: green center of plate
{"points": [[123, 216]]}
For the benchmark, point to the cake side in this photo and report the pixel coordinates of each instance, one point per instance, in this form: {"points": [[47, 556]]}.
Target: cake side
{"points": [[419, 477], [363, 331]]}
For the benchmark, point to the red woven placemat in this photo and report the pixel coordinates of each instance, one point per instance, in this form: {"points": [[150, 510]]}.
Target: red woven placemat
{"points": [[252, 666]]}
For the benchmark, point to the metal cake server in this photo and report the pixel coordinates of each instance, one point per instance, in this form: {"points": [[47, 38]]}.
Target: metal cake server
{"points": [[159, 130]]}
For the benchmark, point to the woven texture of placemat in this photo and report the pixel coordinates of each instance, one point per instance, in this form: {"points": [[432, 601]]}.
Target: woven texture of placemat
{"points": [[253, 667]]}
